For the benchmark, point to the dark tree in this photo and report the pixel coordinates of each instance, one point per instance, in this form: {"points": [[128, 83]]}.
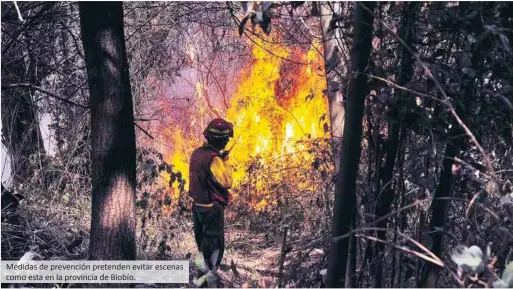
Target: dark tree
{"points": [[351, 259], [112, 126], [455, 144], [345, 198], [386, 195]]}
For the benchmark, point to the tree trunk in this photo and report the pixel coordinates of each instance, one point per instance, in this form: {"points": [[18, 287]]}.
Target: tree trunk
{"points": [[113, 136], [351, 261], [336, 70], [385, 199], [439, 209], [456, 137], [345, 197], [393, 264]]}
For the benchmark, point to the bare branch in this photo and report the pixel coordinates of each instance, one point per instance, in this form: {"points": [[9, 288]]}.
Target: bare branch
{"points": [[51, 94], [405, 249], [143, 130], [19, 12]]}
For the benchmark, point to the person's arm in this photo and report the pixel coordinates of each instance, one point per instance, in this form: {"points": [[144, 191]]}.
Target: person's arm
{"points": [[221, 173], [222, 178]]}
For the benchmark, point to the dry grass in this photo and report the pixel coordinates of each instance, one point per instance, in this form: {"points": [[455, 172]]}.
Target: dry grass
{"points": [[52, 226]]}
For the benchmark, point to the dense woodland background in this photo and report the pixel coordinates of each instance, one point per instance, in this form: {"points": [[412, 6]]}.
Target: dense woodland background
{"points": [[412, 165]]}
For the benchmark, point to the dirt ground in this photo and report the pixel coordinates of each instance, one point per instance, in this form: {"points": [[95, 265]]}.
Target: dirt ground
{"points": [[251, 261]]}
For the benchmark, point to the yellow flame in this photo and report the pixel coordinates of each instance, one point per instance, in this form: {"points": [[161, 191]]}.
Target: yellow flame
{"points": [[264, 125]]}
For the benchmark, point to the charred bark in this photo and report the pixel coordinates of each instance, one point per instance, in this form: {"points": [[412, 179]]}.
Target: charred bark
{"points": [[345, 198], [113, 136]]}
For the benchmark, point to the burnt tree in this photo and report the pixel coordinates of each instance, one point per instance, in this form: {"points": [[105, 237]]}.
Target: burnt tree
{"points": [[345, 198], [112, 127]]}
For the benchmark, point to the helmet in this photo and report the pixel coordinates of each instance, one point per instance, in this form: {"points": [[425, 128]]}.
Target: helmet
{"points": [[219, 128]]}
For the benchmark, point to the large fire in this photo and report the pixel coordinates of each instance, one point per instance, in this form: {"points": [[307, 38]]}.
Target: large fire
{"points": [[278, 109]]}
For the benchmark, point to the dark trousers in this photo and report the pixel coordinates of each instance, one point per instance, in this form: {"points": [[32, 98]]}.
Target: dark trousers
{"points": [[209, 231]]}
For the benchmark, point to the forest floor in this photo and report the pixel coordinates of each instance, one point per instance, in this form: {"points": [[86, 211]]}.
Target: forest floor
{"points": [[254, 258], [255, 261], [253, 255]]}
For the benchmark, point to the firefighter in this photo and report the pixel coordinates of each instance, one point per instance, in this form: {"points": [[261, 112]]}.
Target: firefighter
{"points": [[209, 181]]}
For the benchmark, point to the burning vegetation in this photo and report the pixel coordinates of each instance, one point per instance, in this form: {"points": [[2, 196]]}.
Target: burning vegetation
{"points": [[280, 122], [386, 126]]}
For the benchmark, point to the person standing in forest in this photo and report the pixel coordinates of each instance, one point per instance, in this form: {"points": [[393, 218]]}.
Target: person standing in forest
{"points": [[209, 182]]}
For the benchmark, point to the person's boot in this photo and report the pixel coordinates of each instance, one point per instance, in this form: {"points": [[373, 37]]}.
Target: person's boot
{"points": [[202, 270], [201, 274], [212, 279]]}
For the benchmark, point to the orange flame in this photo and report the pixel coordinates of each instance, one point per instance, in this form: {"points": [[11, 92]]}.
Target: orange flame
{"points": [[277, 104]]}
